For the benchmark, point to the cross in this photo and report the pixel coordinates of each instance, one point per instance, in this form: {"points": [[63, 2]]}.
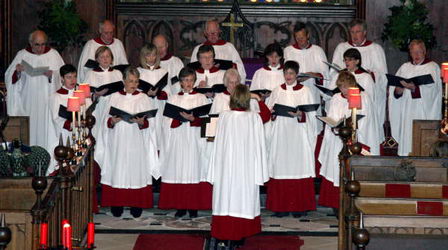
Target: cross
{"points": [[233, 27]]}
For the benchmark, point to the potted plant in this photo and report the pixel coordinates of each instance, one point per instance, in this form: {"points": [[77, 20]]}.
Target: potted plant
{"points": [[408, 21]]}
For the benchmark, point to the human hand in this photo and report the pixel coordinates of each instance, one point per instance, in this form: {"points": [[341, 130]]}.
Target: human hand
{"points": [[152, 92], [187, 116], [139, 120], [48, 73]]}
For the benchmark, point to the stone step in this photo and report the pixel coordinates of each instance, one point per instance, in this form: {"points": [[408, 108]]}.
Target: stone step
{"points": [[392, 224], [400, 206], [404, 190], [384, 168]]}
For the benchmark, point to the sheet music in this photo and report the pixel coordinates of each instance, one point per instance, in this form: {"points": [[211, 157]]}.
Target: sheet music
{"points": [[210, 128], [31, 71]]}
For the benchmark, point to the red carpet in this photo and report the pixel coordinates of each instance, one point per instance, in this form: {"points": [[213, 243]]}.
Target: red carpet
{"points": [[272, 242], [169, 241]]}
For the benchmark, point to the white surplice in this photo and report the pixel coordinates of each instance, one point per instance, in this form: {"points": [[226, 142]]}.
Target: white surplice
{"points": [[267, 77], [173, 65], [212, 76]]}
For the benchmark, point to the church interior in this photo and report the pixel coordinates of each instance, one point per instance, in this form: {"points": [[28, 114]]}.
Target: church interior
{"points": [[392, 199]]}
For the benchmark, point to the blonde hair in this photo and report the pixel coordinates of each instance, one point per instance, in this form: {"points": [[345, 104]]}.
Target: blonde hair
{"points": [[240, 98], [231, 72], [345, 79], [417, 42], [148, 49], [103, 49]]}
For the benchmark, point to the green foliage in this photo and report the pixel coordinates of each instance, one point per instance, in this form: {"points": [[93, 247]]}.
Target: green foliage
{"points": [[408, 22], [62, 23]]}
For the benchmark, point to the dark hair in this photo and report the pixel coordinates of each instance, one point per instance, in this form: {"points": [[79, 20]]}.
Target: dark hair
{"points": [[186, 71], [66, 69], [300, 26], [240, 98], [271, 48], [354, 54], [204, 49], [291, 65], [440, 149], [358, 21]]}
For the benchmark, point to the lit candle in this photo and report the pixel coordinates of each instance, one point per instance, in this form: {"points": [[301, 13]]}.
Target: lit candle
{"points": [[354, 103], [86, 88], [444, 72], [90, 235], [67, 236], [44, 235], [73, 106]]}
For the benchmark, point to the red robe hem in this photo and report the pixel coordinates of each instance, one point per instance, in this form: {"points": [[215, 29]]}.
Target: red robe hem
{"points": [[120, 197], [234, 228], [186, 196], [291, 195], [329, 194]]}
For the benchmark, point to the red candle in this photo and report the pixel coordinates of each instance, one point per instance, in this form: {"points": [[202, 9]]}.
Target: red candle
{"points": [[63, 223], [354, 101], [44, 235], [67, 236], [86, 88], [90, 235]]}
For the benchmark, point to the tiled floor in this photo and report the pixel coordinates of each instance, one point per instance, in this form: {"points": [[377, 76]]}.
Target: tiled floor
{"points": [[317, 229]]}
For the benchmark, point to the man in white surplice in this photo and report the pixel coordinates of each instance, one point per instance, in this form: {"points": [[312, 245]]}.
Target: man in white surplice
{"points": [[106, 38], [223, 50], [29, 92]]}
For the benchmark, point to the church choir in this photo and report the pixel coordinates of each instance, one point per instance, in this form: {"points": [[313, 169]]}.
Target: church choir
{"points": [[256, 143]]}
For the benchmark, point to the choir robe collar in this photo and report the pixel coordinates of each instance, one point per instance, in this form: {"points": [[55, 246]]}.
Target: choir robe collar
{"points": [[343, 96], [29, 49], [152, 67], [212, 70], [226, 92], [296, 46], [270, 68], [363, 44], [124, 92], [238, 109], [99, 69], [191, 93], [359, 71], [100, 41], [298, 86], [166, 57], [422, 63], [219, 42], [63, 91]]}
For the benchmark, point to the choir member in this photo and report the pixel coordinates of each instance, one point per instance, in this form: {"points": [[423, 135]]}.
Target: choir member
{"points": [[271, 75], [224, 50], [291, 142], [29, 92], [182, 154], [238, 167], [367, 134], [171, 63], [130, 158], [373, 60], [58, 125], [415, 102], [208, 74], [106, 38]]}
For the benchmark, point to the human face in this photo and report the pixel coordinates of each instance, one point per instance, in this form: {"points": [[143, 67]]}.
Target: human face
{"points": [[105, 59], [151, 58], [301, 38], [357, 34], [161, 45], [206, 60], [344, 90], [351, 63], [273, 59], [107, 32], [418, 53], [69, 80], [290, 76], [232, 82], [38, 44], [187, 83], [212, 32], [131, 84]]}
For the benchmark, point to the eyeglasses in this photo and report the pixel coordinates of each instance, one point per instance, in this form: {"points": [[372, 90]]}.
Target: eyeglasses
{"points": [[39, 44]]}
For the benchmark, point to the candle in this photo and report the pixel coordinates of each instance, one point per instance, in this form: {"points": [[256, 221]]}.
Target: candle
{"points": [[44, 235], [86, 88], [90, 235], [67, 236], [444, 72], [73, 106]]}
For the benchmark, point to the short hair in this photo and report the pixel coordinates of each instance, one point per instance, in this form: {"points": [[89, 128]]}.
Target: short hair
{"points": [[33, 34], [417, 42], [213, 20], [346, 79], [186, 71], [67, 69], [231, 72], [131, 70], [103, 49], [358, 21], [300, 26], [101, 24], [204, 49], [291, 65], [148, 49], [353, 54], [240, 98], [273, 47]]}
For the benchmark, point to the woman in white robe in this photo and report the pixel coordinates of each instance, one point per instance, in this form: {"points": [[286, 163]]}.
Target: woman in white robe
{"points": [[208, 74], [237, 169], [367, 134], [130, 158], [291, 149], [182, 154]]}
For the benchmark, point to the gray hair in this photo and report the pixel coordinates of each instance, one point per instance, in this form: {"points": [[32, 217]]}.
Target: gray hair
{"points": [[101, 24], [213, 20], [358, 21], [131, 70], [34, 33], [231, 72], [417, 42]]}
